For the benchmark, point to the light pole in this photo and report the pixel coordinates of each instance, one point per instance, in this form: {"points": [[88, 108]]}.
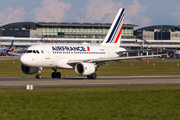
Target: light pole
{"points": [[161, 38], [1, 34], [157, 39]]}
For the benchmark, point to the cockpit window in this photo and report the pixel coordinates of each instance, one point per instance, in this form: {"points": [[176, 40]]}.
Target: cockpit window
{"points": [[32, 51], [37, 51], [29, 51]]}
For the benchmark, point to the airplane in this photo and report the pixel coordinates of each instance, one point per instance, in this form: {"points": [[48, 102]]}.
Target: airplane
{"points": [[4, 51], [84, 59]]}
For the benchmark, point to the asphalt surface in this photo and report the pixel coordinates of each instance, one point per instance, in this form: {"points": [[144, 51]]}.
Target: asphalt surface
{"points": [[100, 81]]}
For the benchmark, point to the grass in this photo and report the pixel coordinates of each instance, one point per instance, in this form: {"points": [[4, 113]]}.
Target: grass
{"points": [[91, 103], [102, 103], [11, 68]]}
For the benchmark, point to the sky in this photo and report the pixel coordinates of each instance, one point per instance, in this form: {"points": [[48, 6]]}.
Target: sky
{"points": [[139, 12]]}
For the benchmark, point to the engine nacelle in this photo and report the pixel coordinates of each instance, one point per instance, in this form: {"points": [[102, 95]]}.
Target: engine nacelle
{"points": [[28, 70], [85, 68]]}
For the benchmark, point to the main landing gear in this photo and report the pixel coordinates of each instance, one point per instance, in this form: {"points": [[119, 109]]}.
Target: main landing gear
{"points": [[38, 76], [92, 76], [56, 74]]}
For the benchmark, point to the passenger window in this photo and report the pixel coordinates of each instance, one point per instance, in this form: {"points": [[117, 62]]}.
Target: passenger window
{"points": [[42, 51]]}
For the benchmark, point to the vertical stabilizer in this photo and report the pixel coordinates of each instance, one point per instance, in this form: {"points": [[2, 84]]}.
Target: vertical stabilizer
{"points": [[114, 35], [11, 47]]}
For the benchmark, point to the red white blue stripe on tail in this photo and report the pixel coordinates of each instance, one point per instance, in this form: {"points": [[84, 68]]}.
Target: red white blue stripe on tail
{"points": [[114, 34]]}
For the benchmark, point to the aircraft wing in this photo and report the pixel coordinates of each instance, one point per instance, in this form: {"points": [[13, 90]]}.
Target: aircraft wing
{"points": [[133, 51], [110, 59], [14, 53]]}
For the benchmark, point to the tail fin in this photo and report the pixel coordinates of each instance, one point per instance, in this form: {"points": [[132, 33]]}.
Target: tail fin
{"points": [[114, 35], [11, 47]]}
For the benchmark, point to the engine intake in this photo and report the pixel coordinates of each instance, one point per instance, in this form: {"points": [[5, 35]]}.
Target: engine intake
{"points": [[85, 68], [28, 70]]}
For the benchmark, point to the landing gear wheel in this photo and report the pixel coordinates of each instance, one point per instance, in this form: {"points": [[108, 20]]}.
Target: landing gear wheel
{"points": [[38, 76], [88, 76], [53, 75], [58, 75], [93, 76]]}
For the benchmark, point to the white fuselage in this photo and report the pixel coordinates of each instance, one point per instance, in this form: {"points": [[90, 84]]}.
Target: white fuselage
{"points": [[58, 55], [3, 50]]}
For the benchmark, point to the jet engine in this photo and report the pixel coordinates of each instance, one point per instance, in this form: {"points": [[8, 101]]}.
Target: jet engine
{"points": [[28, 70], [85, 68]]}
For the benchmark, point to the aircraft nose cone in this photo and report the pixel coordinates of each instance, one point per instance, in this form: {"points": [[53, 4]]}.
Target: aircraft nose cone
{"points": [[23, 59]]}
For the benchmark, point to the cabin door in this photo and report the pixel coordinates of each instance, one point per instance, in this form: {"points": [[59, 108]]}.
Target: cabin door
{"points": [[47, 53]]}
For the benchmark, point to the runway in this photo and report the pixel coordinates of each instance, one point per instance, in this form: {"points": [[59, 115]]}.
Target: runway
{"points": [[100, 81]]}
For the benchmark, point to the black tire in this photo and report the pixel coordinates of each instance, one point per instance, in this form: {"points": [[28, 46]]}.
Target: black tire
{"points": [[93, 76], [53, 75], [88, 76], [58, 75], [38, 76]]}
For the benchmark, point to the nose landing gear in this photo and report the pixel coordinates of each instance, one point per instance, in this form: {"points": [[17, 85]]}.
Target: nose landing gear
{"points": [[38, 76]]}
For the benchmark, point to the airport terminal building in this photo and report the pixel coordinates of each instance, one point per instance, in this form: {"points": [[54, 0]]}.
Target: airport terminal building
{"points": [[62, 30], [28, 33], [159, 32]]}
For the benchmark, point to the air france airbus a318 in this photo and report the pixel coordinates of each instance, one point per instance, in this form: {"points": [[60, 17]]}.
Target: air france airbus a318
{"points": [[85, 59]]}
